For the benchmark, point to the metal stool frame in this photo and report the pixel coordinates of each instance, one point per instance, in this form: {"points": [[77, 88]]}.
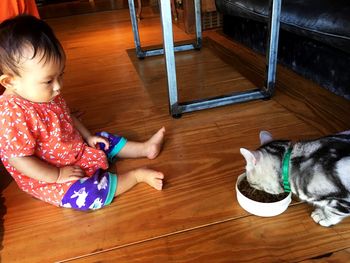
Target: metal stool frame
{"points": [[176, 109]]}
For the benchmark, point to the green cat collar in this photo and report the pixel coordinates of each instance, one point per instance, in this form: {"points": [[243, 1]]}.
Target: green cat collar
{"points": [[285, 170]]}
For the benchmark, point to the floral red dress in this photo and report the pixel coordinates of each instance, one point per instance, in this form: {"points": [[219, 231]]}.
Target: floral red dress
{"points": [[44, 130]]}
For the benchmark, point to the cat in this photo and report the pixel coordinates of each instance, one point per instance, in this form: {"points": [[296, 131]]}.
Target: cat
{"points": [[319, 172]]}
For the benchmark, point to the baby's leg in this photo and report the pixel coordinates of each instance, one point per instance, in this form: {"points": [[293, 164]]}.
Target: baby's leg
{"points": [[128, 180], [149, 148]]}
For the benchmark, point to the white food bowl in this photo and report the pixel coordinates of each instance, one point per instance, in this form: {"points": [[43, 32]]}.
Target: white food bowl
{"points": [[259, 208]]}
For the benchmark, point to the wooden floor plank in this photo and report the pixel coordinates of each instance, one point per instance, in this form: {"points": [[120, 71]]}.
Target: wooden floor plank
{"points": [[200, 159], [336, 257], [289, 237]]}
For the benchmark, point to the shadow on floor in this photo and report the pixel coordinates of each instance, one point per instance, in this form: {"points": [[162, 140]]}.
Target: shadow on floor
{"points": [[5, 180]]}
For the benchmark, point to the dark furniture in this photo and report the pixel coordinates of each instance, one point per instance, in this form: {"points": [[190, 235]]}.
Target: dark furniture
{"points": [[314, 36]]}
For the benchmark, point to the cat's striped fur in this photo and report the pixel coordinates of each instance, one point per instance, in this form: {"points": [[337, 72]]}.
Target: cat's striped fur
{"points": [[319, 172]]}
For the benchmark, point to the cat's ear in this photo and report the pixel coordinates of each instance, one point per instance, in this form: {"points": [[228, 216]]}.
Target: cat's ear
{"points": [[251, 157], [265, 137]]}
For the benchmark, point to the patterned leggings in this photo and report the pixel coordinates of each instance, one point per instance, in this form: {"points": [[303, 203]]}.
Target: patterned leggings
{"points": [[90, 193]]}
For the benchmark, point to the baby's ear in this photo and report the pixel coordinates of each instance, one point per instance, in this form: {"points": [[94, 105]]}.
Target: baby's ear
{"points": [[265, 137], [7, 81], [251, 157]]}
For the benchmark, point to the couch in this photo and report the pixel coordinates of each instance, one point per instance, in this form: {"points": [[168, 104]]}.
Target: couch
{"points": [[314, 36]]}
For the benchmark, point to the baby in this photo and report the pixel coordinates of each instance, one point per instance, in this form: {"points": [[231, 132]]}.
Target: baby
{"points": [[49, 153]]}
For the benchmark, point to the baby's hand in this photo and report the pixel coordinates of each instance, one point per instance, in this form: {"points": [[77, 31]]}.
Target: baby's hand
{"points": [[69, 173], [93, 141]]}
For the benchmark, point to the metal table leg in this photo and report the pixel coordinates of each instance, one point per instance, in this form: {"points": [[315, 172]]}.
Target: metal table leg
{"points": [[272, 47], [176, 108], [141, 53]]}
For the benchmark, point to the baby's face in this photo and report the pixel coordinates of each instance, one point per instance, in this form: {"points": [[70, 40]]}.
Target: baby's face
{"points": [[40, 80]]}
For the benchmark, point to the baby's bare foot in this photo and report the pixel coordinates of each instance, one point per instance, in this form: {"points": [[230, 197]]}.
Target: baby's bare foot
{"points": [[154, 144], [150, 177]]}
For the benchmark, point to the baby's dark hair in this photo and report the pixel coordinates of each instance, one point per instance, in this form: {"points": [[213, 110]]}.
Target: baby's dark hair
{"points": [[21, 32]]}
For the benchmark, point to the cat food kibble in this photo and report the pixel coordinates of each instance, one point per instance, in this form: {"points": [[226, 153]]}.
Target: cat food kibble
{"points": [[258, 195]]}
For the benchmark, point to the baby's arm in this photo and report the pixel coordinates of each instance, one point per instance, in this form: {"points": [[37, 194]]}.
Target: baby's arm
{"points": [[37, 169], [81, 128], [91, 140]]}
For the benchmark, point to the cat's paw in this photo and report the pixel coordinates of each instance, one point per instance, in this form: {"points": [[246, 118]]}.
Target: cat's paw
{"points": [[319, 217], [324, 219]]}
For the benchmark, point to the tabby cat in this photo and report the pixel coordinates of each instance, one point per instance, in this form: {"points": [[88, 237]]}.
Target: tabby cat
{"points": [[318, 172]]}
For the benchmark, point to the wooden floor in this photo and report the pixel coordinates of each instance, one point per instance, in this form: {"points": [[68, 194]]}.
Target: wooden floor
{"points": [[59, 8], [196, 218]]}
